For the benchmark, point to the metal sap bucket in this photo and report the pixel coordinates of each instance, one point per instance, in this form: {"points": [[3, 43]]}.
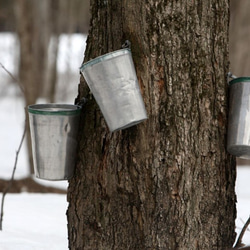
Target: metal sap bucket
{"points": [[113, 82], [238, 140], [54, 129]]}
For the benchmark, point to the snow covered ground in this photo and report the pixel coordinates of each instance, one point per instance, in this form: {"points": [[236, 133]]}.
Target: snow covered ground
{"points": [[243, 200], [32, 221], [38, 221]]}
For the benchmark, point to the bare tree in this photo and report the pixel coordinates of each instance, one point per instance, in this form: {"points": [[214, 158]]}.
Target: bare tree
{"points": [[33, 51], [239, 38], [167, 183], [39, 24]]}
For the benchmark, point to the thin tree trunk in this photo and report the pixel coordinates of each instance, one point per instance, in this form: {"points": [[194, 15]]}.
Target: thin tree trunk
{"points": [[50, 88], [33, 31], [168, 182], [26, 33], [239, 38]]}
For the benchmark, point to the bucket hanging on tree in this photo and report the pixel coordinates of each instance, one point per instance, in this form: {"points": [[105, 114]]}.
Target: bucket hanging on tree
{"points": [[54, 129], [238, 140], [112, 80]]}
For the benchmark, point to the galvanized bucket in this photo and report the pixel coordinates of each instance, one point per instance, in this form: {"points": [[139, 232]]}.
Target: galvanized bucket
{"points": [[54, 129], [238, 140], [113, 82]]}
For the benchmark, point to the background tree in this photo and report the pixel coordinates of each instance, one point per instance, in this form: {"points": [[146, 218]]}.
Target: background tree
{"points": [[167, 183], [239, 37], [39, 24], [34, 42]]}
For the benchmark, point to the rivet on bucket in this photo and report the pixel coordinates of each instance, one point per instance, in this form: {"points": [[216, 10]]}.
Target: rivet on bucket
{"points": [[112, 80], [238, 139], [54, 129]]}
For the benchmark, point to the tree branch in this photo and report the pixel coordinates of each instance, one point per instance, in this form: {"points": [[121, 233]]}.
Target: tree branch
{"points": [[12, 176], [239, 241], [13, 77], [17, 153]]}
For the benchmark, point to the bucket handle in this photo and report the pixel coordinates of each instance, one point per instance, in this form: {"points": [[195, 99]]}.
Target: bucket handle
{"points": [[127, 44], [230, 76], [82, 102]]}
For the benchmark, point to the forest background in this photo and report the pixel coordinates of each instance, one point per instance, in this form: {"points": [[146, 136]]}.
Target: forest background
{"points": [[52, 28]]}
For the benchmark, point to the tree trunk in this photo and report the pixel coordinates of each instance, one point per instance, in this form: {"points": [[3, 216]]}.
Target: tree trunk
{"points": [[167, 183], [34, 42], [27, 70], [239, 38]]}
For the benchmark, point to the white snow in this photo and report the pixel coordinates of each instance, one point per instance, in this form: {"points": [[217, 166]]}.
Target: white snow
{"points": [[34, 221], [243, 200], [38, 221]]}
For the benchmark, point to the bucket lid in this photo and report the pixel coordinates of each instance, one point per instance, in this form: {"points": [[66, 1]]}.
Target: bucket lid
{"points": [[105, 57], [240, 79], [54, 109]]}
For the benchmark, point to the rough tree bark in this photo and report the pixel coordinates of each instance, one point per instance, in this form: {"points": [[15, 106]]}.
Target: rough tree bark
{"points": [[167, 183]]}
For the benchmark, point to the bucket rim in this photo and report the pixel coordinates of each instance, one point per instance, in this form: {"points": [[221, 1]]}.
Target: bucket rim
{"points": [[47, 109], [240, 79], [105, 57]]}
